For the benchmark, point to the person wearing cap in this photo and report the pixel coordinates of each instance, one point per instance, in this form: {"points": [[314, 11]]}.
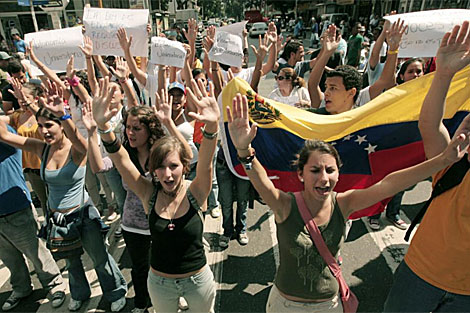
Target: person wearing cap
{"points": [[355, 42], [19, 43], [184, 123], [4, 59]]}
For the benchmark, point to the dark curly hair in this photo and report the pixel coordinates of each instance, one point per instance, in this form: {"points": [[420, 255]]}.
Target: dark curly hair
{"points": [[151, 123], [351, 77], [315, 145], [42, 112]]}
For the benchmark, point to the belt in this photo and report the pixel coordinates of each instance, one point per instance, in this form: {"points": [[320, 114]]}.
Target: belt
{"points": [[65, 211], [32, 170]]}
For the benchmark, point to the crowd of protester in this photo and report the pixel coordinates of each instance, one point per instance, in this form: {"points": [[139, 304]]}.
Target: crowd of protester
{"points": [[148, 136]]}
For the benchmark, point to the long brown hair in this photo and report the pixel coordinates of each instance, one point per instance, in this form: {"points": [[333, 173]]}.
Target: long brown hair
{"points": [[162, 148]]}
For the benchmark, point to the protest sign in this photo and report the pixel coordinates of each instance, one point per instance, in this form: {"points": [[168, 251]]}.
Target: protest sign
{"points": [[55, 47], [227, 49], [167, 52], [426, 29], [102, 25], [235, 28]]}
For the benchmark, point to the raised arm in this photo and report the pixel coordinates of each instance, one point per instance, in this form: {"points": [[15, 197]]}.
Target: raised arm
{"points": [[329, 44], [55, 105], [126, 43], [191, 35], [208, 113], [24, 143], [270, 40], [387, 78], [260, 54], [47, 71], [452, 56], [358, 199], [87, 50], [122, 74], [74, 82], [242, 134], [102, 114], [375, 53], [94, 154]]}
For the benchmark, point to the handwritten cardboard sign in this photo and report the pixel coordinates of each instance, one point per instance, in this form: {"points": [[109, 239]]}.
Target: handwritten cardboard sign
{"points": [[55, 47], [426, 29], [102, 25], [227, 49], [167, 52]]}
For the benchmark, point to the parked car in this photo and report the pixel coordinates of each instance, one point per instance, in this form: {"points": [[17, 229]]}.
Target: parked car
{"points": [[258, 29]]}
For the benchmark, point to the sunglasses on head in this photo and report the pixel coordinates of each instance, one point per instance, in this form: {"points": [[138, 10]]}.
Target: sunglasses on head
{"points": [[279, 77]]}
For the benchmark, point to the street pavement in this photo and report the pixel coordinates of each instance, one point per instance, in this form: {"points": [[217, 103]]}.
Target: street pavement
{"points": [[244, 274]]}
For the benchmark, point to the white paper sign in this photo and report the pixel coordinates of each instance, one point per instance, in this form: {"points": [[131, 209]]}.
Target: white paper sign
{"points": [[426, 29], [235, 28], [102, 25], [227, 49], [167, 52], [55, 47]]}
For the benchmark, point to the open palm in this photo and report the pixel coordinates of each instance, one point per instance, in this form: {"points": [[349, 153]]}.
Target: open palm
{"points": [[241, 133], [206, 106], [454, 52]]}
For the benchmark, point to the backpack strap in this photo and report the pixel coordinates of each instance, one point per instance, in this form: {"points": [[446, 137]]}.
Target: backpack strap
{"points": [[449, 180], [153, 198]]}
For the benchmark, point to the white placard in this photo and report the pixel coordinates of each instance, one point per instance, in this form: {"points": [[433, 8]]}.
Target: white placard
{"points": [[167, 52], [227, 49], [102, 25], [426, 29], [54, 47], [235, 28]]}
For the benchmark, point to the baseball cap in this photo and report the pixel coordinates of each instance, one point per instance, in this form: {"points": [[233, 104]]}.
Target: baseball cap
{"points": [[177, 85], [4, 55]]}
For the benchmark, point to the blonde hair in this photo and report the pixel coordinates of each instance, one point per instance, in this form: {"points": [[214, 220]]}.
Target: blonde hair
{"points": [[296, 80]]}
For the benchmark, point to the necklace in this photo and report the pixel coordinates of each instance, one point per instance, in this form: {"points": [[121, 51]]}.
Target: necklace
{"points": [[171, 225]]}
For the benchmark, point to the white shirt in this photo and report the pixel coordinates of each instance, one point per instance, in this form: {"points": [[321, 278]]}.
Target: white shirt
{"points": [[245, 74], [297, 94]]}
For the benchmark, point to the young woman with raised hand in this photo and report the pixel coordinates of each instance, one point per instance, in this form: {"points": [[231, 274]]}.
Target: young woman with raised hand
{"points": [[303, 280], [64, 153], [178, 265]]}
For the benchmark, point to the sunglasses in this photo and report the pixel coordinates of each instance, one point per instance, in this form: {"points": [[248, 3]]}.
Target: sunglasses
{"points": [[282, 77]]}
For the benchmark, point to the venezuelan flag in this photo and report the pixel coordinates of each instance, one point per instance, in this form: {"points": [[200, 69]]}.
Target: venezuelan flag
{"points": [[373, 140]]}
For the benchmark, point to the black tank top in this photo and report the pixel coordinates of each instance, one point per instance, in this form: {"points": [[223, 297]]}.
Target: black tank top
{"points": [[180, 250]]}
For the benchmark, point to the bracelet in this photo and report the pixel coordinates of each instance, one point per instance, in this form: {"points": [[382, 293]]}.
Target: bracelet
{"points": [[392, 51], [65, 117], [122, 81], [208, 135], [112, 147], [247, 161], [74, 81], [106, 131]]}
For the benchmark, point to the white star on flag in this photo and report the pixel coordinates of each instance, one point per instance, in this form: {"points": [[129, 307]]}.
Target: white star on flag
{"points": [[370, 148], [361, 139], [348, 137]]}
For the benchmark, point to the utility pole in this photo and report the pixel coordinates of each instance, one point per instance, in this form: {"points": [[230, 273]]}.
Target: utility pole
{"points": [[33, 15]]}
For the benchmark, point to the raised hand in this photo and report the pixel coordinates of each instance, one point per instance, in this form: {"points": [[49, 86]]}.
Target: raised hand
{"points": [[329, 40], [263, 49], [454, 52], [191, 34], [162, 109], [30, 52], [123, 40], [55, 102], [457, 148], [101, 103], [207, 43], [122, 70], [205, 104], [241, 133], [70, 71], [17, 90], [271, 35], [87, 48], [87, 116], [211, 32], [394, 34]]}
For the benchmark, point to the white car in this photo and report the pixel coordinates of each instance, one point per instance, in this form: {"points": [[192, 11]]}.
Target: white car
{"points": [[258, 29]]}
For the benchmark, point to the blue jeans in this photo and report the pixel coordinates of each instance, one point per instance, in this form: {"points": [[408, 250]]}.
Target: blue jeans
{"points": [[115, 183], [198, 290], [110, 277], [410, 293], [227, 182]]}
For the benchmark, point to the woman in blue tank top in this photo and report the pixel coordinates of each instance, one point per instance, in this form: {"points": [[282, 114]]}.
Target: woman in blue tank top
{"points": [[64, 153], [303, 280], [178, 263]]}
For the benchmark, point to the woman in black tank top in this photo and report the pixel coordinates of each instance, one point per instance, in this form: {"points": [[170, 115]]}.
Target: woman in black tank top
{"points": [[178, 263], [318, 169]]}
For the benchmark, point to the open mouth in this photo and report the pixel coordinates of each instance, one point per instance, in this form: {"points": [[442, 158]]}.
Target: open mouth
{"points": [[322, 190], [47, 137]]}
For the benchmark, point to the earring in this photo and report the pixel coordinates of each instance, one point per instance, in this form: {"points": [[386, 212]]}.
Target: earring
{"points": [[301, 180]]}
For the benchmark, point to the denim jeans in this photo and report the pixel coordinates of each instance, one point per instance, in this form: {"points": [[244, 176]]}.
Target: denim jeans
{"points": [[138, 246], [18, 239], [410, 293], [228, 184], [115, 183], [110, 277], [198, 290], [277, 303]]}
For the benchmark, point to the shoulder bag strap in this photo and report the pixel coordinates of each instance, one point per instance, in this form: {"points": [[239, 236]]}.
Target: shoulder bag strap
{"points": [[449, 180], [153, 198]]}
